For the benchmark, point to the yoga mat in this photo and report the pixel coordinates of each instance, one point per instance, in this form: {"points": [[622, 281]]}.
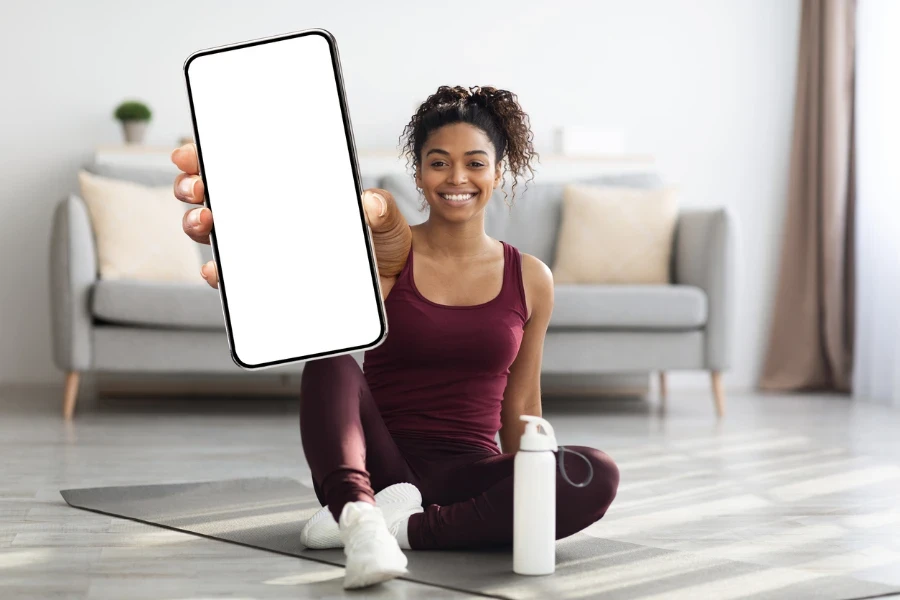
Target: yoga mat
{"points": [[268, 513]]}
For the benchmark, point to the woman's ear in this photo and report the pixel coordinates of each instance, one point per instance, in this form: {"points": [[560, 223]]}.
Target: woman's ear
{"points": [[498, 177]]}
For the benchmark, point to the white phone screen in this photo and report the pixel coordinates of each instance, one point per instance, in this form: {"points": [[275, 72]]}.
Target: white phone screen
{"points": [[297, 272]]}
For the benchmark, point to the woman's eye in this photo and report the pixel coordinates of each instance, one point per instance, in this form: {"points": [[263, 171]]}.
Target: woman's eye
{"points": [[440, 162]]}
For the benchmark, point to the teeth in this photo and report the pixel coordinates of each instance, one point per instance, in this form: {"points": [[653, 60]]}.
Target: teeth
{"points": [[457, 197]]}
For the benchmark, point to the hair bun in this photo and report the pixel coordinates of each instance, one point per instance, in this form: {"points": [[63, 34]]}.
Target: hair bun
{"points": [[479, 96]]}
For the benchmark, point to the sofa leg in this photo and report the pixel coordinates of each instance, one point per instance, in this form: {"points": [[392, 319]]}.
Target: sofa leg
{"points": [[718, 393], [663, 390], [71, 394]]}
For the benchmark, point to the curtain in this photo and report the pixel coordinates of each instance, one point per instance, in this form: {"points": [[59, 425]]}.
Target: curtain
{"points": [[876, 375], [811, 338]]}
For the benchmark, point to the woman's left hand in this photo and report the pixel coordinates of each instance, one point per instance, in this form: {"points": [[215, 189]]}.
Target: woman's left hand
{"points": [[391, 235]]}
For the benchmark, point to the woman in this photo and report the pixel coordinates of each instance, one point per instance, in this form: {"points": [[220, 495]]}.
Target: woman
{"points": [[403, 451]]}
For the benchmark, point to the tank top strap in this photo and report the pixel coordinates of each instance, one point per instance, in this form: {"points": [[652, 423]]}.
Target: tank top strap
{"points": [[404, 274], [513, 279]]}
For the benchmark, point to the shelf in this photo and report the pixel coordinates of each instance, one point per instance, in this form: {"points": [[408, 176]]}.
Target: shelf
{"points": [[379, 162]]}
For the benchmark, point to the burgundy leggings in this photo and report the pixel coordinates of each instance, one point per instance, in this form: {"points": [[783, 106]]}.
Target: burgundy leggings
{"points": [[467, 490]]}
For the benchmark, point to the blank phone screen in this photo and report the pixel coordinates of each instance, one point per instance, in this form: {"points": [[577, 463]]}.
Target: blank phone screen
{"points": [[297, 272]]}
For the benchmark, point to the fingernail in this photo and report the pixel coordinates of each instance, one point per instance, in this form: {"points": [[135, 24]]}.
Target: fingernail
{"points": [[186, 187], [383, 203], [175, 154], [194, 218], [202, 273]]}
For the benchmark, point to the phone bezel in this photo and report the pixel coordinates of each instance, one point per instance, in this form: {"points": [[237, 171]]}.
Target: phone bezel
{"points": [[351, 148]]}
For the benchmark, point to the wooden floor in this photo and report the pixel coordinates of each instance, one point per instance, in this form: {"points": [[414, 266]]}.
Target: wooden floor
{"points": [[811, 483]]}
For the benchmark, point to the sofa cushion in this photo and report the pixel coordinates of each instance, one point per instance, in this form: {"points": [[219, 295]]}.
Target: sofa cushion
{"points": [[157, 304], [137, 230], [185, 306], [615, 235], [155, 176], [629, 307]]}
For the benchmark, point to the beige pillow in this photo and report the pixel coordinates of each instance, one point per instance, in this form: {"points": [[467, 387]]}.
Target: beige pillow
{"points": [[615, 235], [138, 231]]}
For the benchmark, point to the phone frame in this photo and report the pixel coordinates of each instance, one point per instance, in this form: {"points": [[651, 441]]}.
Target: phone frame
{"points": [[351, 148]]}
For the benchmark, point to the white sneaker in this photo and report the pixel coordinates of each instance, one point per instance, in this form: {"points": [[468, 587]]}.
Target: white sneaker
{"points": [[373, 554], [321, 531], [397, 502]]}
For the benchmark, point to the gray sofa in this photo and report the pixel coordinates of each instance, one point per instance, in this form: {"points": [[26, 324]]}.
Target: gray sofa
{"points": [[140, 327]]}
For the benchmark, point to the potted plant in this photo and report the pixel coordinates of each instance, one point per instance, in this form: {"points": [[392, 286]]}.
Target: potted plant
{"points": [[134, 116]]}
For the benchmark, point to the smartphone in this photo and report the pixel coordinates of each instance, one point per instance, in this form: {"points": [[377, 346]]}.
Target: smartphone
{"points": [[297, 273]]}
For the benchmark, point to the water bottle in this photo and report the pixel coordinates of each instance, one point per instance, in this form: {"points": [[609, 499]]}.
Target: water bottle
{"points": [[534, 500]]}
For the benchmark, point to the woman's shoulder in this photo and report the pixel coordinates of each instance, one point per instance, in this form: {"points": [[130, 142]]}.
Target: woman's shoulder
{"points": [[534, 270]]}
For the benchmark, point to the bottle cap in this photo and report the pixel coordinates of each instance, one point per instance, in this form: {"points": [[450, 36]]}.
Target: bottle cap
{"points": [[535, 441]]}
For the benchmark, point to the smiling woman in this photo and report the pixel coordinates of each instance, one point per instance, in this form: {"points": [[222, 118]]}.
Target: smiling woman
{"points": [[414, 431]]}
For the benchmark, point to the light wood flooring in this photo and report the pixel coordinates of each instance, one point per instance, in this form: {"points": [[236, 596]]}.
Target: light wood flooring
{"points": [[807, 482]]}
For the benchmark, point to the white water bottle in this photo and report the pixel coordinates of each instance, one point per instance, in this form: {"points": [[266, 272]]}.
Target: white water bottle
{"points": [[534, 500]]}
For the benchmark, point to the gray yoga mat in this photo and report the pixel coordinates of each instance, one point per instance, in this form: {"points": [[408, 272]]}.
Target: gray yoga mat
{"points": [[268, 513]]}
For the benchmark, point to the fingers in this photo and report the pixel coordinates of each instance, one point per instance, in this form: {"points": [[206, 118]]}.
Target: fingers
{"points": [[189, 188], [185, 158], [197, 223], [209, 273], [188, 184]]}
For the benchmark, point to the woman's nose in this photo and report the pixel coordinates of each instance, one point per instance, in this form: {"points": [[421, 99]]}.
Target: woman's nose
{"points": [[457, 176]]}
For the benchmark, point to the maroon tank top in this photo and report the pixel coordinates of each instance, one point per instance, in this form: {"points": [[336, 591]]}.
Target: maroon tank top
{"points": [[442, 370]]}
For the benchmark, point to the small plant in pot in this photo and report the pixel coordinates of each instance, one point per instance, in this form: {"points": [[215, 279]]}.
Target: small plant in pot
{"points": [[134, 117]]}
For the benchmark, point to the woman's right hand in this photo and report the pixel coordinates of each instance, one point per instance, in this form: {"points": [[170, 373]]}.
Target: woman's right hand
{"points": [[391, 235]]}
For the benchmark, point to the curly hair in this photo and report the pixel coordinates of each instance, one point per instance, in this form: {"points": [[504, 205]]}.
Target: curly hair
{"points": [[496, 112]]}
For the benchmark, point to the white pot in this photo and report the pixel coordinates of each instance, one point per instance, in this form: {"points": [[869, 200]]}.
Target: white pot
{"points": [[134, 131]]}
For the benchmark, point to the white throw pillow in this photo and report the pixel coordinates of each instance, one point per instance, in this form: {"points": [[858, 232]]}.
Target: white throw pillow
{"points": [[138, 231], [615, 235]]}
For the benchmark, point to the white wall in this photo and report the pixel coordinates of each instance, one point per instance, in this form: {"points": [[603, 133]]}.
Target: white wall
{"points": [[705, 86]]}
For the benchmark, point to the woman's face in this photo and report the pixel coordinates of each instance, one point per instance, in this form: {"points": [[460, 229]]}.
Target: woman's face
{"points": [[457, 173]]}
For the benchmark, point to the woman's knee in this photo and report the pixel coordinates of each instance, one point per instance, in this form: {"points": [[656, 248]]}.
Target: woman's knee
{"points": [[604, 482], [314, 371], [329, 384]]}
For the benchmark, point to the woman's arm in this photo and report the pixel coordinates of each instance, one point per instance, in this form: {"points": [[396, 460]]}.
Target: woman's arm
{"points": [[523, 388]]}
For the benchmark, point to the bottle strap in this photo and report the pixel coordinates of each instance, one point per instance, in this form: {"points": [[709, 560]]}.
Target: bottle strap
{"points": [[562, 468]]}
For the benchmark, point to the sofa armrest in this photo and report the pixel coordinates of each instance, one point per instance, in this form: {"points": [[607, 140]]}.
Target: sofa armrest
{"points": [[73, 271], [705, 255]]}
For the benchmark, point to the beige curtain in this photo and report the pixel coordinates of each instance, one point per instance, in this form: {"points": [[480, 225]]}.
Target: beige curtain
{"points": [[811, 337]]}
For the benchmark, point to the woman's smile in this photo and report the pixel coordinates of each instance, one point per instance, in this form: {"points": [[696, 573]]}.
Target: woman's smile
{"points": [[459, 199]]}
